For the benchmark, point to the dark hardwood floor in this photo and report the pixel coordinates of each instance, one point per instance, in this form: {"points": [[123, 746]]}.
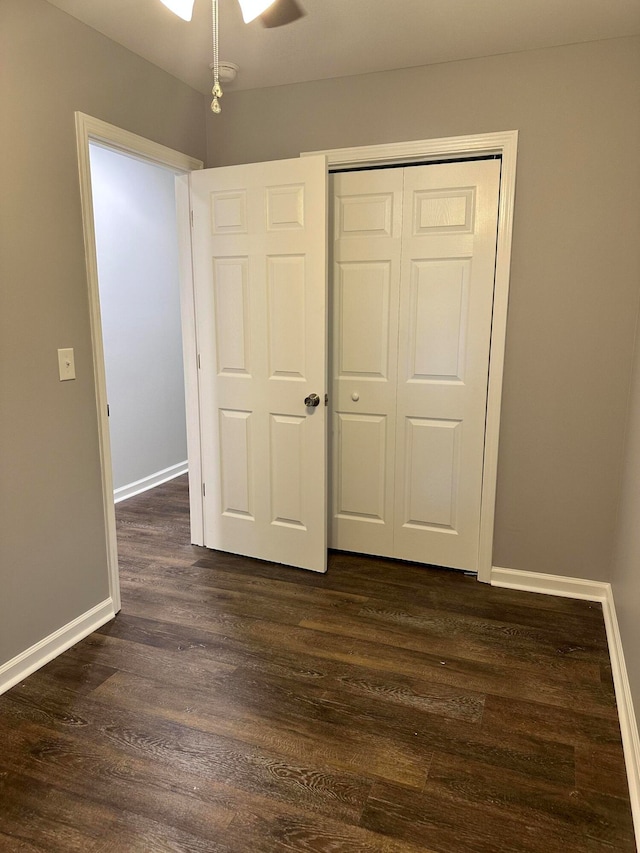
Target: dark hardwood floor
{"points": [[234, 706]]}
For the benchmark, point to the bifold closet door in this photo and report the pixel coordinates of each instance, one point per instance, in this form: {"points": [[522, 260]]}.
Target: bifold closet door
{"points": [[367, 232], [446, 302], [437, 334]]}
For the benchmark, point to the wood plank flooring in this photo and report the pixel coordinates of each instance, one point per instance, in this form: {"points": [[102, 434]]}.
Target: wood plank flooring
{"points": [[234, 706]]}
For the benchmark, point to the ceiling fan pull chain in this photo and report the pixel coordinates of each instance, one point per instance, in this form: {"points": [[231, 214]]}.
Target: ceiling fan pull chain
{"points": [[217, 88]]}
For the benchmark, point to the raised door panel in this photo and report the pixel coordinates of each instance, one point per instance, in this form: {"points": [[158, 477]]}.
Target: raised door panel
{"points": [[443, 211], [363, 214], [232, 318], [287, 442], [439, 302], [432, 474], [228, 214], [236, 486], [285, 207], [362, 471], [362, 293], [286, 315]]}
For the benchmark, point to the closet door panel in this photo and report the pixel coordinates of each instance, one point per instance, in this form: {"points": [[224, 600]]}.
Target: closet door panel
{"points": [[446, 302], [412, 292], [366, 230]]}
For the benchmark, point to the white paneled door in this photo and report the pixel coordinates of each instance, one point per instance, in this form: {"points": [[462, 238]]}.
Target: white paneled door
{"points": [[259, 258], [367, 224], [413, 279]]}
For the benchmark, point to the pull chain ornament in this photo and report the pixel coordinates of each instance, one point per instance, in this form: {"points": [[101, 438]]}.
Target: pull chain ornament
{"points": [[217, 93]]}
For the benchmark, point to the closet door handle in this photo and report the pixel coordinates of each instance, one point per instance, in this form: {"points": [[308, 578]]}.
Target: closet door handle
{"points": [[312, 401]]}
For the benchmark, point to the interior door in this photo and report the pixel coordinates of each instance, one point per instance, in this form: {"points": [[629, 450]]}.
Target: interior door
{"points": [[259, 260], [413, 279]]}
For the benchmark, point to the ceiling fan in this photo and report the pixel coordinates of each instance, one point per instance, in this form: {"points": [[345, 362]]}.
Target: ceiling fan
{"points": [[280, 13], [272, 13]]}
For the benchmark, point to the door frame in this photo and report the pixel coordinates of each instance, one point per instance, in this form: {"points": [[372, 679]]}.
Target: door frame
{"points": [[504, 144], [93, 130]]}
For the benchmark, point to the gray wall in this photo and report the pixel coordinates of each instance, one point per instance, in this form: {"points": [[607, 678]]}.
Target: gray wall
{"points": [[52, 546], [137, 243], [576, 264], [575, 282], [626, 563]]}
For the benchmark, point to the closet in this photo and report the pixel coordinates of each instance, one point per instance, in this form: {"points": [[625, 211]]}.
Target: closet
{"points": [[411, 292], [408, 340]]}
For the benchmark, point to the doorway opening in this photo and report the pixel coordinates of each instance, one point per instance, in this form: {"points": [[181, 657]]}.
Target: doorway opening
{"points": [[134, 212], [92, 132]]}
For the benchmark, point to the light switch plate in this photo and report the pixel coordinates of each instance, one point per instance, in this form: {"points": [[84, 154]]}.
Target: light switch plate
{"points": [[66, 364]]}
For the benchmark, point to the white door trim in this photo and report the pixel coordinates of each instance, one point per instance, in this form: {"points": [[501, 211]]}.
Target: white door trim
{"points": [[89, 129], [504, 143]]}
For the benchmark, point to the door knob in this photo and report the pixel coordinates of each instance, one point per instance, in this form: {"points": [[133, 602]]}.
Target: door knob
{"points": [[311, 401]]}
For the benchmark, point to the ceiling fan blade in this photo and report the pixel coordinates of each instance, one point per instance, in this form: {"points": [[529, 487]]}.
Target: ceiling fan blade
{"points": [[182, 8], [252, 8], [281, 12]]}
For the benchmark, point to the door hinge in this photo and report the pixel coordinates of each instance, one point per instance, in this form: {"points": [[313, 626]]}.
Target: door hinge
{"points": [[191, 217], [199, 363], [204, 490], [108, 413]]}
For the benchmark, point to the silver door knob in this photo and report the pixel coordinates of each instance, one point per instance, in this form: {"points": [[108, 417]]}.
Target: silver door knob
{"points": [[312, 401]]}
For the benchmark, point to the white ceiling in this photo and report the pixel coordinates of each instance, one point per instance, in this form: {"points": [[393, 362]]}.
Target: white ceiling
{"points": [[342, 37]]}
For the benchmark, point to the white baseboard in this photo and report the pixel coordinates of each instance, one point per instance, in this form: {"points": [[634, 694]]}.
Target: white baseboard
{"points": [[150, 482], [548, 584], [626, 713], [19, 667], [602, 592]]}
